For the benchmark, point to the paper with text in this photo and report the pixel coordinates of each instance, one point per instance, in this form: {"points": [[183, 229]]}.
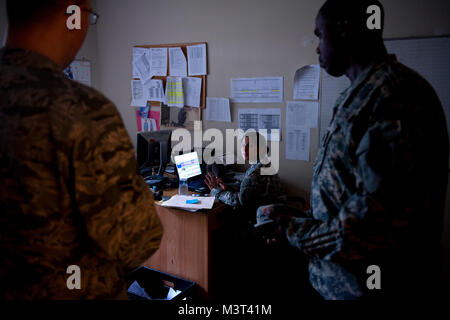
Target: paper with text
{"points": [[138, 96], [257, 90], [154, 90], [192, 89], [137, 53], [174, 92], [143, 66], [197, 60], [297, 143], [177, 62], [158, 61], [218, 109], [306, 83], [302, 113]]}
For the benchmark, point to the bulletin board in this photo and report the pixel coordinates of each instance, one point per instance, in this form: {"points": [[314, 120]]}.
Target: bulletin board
{"points": [[183, 47]]}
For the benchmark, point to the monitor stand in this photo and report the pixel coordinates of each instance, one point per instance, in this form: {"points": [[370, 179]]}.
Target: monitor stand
{"points": [[156, 180]]}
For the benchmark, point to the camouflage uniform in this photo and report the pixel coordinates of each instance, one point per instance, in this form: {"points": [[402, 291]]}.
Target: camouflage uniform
{"points": [[378, 189], [255, 190], [70, 192]]}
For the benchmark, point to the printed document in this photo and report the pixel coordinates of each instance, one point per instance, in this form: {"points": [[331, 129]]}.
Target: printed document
{"points": [[306, 83], [197, 60], [154, 90], [218, 109], [192, 89], [158, 61], [257, 90], [138, 97], [137, 53], [174, 92], [302, 113], [177, 62], [257, 119]]}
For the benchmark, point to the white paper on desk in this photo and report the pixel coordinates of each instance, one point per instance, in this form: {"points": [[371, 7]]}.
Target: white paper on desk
{"points": [[178, 201], [143, 67], [154, 90], [138, 97], [297, 143], [306, 83], [174, 92], [302, 114], [158, 61], [192, 88], [197, 60], [218, 109], [137, 53], [257, 90], [177, 62]]}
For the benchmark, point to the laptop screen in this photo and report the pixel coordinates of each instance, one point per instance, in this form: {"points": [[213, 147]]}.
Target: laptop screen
{"points": [[188, 165]]}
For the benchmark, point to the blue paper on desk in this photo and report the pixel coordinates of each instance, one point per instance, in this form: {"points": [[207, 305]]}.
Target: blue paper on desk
{"points": [[193, 201]]}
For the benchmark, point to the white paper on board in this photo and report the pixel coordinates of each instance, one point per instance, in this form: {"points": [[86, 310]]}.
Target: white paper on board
{"points": [[192, 89], [177, 62], [197, 60]]}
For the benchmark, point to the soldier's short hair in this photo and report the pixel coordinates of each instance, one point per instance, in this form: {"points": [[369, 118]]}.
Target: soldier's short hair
{"points": [[354, 11], [28, 12]]}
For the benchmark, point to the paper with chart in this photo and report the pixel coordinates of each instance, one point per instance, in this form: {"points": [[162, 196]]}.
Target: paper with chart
{"points": [[137, 53], [138, 96], [158, 61], [306, 83], [174, 92], [302, 113], [197, 60], [218, 109], [143, 67], [192, 88], [177, 62], [154, 90], [257, 90], [301, 116], [297, 143], [257, 119]]}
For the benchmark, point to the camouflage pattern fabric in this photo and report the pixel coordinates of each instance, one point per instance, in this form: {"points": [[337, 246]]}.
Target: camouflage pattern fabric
{"points": [[378, 188], [69, 191], [255, 190]]}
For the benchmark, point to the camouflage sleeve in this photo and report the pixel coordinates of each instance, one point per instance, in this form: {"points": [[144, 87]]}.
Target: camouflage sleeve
{"points": [[368, 219], [241, 198], [114, 201]]}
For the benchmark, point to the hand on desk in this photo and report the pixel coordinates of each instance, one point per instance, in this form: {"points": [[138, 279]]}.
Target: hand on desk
{"points": [[213, 182]]}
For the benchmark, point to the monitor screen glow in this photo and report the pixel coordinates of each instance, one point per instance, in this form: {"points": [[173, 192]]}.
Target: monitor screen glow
{"points": [[188, 165]]}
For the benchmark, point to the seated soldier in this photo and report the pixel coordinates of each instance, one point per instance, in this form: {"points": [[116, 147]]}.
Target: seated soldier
{"points": [[255, 189]]}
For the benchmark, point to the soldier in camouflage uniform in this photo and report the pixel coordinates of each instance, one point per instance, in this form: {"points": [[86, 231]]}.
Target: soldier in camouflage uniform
{"points": [[380, 177], [69, 191], [255, 189]]}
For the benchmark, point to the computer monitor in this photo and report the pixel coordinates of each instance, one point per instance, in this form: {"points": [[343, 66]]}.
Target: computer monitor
{"points": [[153, 149], [188, 165]]}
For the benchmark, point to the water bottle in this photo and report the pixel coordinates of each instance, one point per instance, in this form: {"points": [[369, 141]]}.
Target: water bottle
{"points": [[183, 187]]}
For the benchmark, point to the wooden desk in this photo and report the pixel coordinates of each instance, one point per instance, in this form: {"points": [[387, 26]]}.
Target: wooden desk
{"points": [[185, 249]]}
